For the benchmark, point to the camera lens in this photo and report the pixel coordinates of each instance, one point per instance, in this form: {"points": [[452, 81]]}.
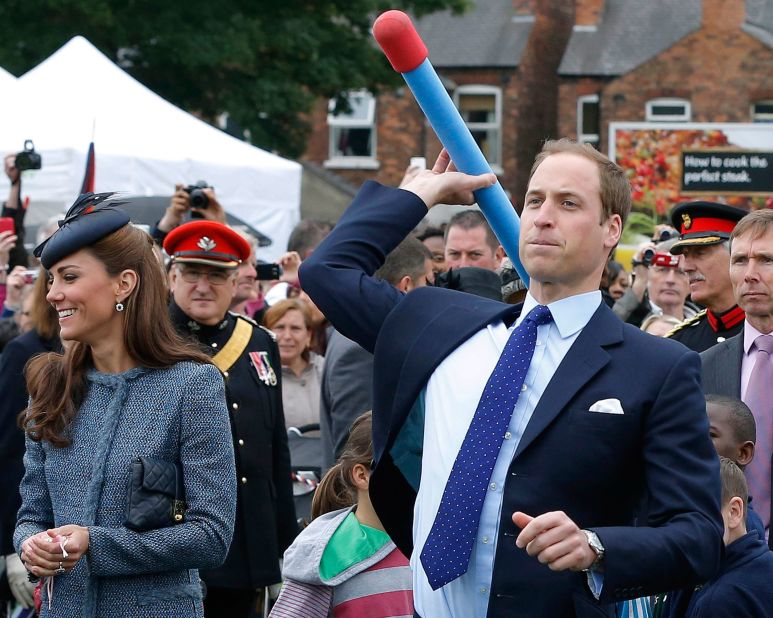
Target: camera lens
{"points": [[199, 199]]}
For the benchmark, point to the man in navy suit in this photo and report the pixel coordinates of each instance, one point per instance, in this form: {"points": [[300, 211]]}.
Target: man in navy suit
{"points": [[607, 419]]}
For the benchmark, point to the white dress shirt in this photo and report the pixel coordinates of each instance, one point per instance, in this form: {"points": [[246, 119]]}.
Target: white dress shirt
{"points": [[452, 396]]}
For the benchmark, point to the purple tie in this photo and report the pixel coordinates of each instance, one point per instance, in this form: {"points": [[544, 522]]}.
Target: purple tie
{"points": [[759, 397], [446, 552]]}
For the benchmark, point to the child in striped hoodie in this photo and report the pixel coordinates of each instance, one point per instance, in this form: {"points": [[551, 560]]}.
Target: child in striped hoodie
{"points": [[344, 565]]}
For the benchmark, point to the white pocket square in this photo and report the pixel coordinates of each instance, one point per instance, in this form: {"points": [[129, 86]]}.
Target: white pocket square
{"points": [[607, 406]]}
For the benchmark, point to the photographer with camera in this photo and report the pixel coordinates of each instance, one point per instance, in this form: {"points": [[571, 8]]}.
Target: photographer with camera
{"points": [[660, 286], [198, 199], [12, 209]]}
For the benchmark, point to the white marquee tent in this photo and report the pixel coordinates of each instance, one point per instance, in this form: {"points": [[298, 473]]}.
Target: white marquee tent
{"points": [[6, 81], [144, 144]]}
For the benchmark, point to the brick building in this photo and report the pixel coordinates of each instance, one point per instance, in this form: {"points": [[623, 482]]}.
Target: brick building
{"points": [[539, 68]]}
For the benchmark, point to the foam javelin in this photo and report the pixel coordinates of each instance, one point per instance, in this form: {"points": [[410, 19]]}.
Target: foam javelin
{"points": [[408, 55]]}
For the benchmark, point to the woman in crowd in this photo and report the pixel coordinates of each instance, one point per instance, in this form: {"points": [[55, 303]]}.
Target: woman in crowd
{"points": [[127, 392], [41, 334], [290, 321], [344, 563], [619, 279]]}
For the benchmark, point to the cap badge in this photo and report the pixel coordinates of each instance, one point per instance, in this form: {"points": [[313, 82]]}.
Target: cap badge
{"points": [[207, 244], [687, 220]]}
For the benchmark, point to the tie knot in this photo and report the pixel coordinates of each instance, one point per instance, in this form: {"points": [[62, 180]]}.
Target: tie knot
{"points": [[540, 315], [764, 343]]}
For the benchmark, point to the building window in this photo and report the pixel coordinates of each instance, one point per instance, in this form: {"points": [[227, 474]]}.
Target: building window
{"points": [[668, 110], [588, 119], [353, 133], [481, 110], [762, 111]]}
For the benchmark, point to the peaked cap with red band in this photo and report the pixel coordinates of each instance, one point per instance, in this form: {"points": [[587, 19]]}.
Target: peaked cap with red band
{"points": [[703, 223], [206, 242]]}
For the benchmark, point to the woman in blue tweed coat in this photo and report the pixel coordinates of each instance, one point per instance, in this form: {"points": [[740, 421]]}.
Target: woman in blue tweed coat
{"points": [[126, 386]]}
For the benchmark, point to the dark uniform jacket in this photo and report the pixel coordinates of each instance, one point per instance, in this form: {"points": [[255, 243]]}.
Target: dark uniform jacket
{"points": [[265, 512], [707, 328]]}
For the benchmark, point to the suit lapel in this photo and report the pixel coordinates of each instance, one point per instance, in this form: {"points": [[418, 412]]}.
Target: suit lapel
{"points": [[446, 332], [584, 360]]}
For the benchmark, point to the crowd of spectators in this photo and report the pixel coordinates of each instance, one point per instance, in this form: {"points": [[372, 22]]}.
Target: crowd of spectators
{"points": [[304, 373]]}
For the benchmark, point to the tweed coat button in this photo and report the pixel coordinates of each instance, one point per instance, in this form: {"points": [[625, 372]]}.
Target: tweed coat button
{"points": [[235, 406], [225, 374], [241, 442], [214, 345], [244, 480]]}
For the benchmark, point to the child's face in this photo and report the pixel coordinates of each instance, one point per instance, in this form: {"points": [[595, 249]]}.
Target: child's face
{"points": [[721, 432]]}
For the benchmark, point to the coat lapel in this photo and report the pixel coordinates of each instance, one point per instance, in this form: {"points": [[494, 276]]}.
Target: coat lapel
{"points": [[446, 332], [584, 360]]}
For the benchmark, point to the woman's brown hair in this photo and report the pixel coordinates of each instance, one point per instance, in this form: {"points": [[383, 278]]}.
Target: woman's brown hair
{"points": [[56, 382], [44, 318], [278, 310], [336, 490]]}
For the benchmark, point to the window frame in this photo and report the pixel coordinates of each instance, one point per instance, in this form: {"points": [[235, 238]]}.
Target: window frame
{"points": [[484, 89], [685, 117], [338, 160], [588, 138], [761, 117]]}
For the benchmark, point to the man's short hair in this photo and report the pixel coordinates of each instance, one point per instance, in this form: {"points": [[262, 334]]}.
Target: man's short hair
{"points": [[407, 258], [758, 222], [469, 220], [615, 188], [739, 417], [307, 235], [733, 482]]}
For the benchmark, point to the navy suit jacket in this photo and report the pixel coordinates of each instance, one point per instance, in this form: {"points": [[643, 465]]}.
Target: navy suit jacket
{"points": [[596, 467]]}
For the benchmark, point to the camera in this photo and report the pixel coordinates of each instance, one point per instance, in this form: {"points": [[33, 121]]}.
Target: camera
{"points": [[647, 256], [30, 276], [268, 272], [197, 196], [28, 159]]}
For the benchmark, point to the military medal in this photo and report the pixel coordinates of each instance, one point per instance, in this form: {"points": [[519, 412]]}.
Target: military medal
{"points": [[262, 365]]}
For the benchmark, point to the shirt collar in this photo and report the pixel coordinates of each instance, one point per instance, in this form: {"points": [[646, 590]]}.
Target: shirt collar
{"points": [[749, 335], [570, 314]]}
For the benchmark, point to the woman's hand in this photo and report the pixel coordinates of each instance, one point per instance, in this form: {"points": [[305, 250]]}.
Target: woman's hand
{"points": [[44, 553]]}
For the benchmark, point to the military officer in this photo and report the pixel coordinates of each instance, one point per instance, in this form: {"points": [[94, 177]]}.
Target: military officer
{"points": [[703, 242], [205, 255]]}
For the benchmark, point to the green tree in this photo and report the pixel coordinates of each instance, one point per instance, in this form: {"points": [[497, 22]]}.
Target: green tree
{"points": [[262, 61]]}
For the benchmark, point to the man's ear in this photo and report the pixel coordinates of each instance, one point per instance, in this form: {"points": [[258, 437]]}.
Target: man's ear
{"points": [[615, 226], [405, 284], [499, 255], [745, 454]]}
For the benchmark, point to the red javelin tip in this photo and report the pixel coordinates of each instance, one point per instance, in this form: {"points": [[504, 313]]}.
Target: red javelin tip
{"points": [[401, 43]]}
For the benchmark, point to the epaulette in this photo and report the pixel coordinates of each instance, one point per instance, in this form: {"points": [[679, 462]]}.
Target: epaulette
{"points": [[270, 332], [686, 323], [244, 317]]}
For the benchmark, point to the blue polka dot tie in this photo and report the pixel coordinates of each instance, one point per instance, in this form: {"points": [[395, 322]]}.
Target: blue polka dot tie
{"points": [[446, 552]]}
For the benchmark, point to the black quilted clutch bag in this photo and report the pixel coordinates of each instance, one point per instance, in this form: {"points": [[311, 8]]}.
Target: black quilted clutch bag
{"points": [[156, 495]]}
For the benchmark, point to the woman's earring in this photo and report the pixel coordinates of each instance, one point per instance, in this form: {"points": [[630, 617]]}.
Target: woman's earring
{"points": [[119, 307]]}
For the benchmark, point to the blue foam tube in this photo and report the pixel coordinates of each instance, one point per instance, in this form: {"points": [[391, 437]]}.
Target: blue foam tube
{"points": [[465, 153]]}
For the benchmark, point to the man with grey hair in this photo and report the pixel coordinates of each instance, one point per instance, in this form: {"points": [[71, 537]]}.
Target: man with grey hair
{"points": [[705, 228]]}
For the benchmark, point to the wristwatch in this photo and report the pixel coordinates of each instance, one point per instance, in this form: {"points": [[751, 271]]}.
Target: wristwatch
{"points": [[597, 547]]}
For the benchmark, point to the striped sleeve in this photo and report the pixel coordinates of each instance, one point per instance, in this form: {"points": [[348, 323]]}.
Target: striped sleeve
{"points": [[298, 600]]}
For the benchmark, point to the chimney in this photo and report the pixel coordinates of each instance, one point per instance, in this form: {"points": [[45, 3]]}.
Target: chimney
{"points": [[723, 15], [588, 12]]}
